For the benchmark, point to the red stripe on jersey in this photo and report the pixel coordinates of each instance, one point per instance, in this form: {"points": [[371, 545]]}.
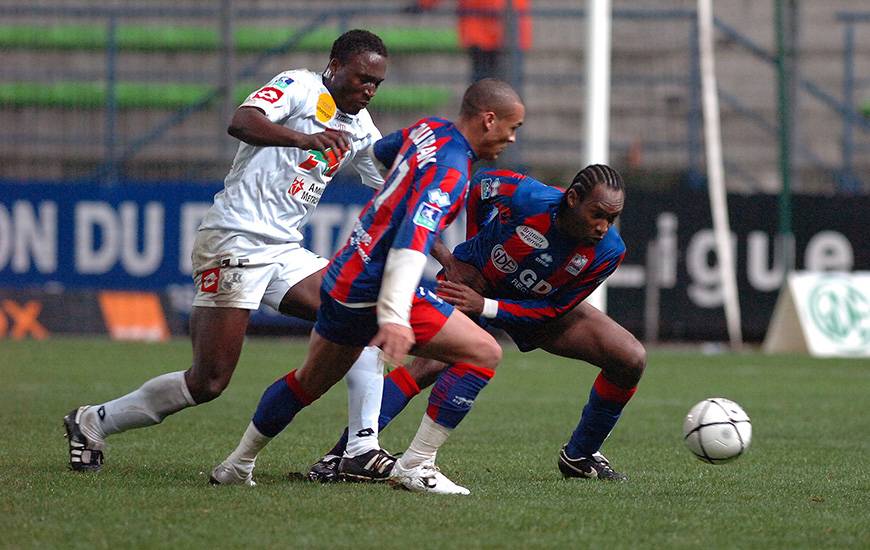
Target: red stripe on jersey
{"points": [[527, 312], [519, 249]]}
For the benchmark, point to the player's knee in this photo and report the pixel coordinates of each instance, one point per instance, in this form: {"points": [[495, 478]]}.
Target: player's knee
{"points": [[488, 353], [634, 361], [206, 387]]}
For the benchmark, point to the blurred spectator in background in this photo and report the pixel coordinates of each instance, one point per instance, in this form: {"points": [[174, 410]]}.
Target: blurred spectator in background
{"points": [[485, 29]]}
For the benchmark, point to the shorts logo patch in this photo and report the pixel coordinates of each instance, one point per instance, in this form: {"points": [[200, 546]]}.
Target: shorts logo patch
{"points": [[427, 216], [210, 279], [269, 94], [231, 281], [532, 237]]}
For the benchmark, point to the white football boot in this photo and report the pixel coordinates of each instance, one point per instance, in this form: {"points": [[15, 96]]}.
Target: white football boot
{"points": [[226, 473], [425, 478]]}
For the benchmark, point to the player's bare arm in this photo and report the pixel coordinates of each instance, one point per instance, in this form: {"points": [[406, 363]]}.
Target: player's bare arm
{"points": [[457, 270], [465, 298], [251, 125]]}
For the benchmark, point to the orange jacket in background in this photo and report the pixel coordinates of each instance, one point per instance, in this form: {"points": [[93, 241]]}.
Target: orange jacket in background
{"points": [[487, 31]]}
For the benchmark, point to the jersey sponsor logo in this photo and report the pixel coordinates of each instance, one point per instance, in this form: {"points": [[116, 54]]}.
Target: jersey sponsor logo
{"points": [[298, 185], [306, 191], [544, 259], [489, 188], [532, 237], [502, 260], [424, 139], [528, 280], [427, 216], [328, 161], [283, 81], [341, 117], [576, 265], [269, 94], [439, 198], [210, 279], [325, 107]]}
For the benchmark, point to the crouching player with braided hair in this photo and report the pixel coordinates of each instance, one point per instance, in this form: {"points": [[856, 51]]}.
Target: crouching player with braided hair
{"points": [[533, 254]]}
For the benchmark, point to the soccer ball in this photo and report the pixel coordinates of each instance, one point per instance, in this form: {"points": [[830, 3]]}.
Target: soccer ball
{"points": [[717, 430]]}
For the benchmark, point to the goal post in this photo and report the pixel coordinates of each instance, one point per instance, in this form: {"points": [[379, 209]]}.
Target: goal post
{"points": [[597, 131], [716, 174]]}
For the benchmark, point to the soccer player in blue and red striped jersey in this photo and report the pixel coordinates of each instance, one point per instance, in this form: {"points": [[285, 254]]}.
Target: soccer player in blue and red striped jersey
{"points": [[370, 293], [532, 256]]}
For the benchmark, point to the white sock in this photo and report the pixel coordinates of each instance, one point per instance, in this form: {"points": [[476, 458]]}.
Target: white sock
{"points": [[430, 436], [252, 442], [150, 404], [365, 386]]}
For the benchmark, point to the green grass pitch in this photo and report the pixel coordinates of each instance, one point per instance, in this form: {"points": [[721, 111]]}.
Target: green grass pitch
{"points": [[805, 482]]}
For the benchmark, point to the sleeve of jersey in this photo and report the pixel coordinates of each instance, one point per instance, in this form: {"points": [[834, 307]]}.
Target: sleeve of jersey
{"points": [[487, 193], [438, 197], [370, 170], [279, 98], [384, 151], [528, 313]]}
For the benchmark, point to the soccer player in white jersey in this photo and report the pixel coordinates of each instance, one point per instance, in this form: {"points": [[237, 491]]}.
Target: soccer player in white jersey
{"points": [[296, 132]]}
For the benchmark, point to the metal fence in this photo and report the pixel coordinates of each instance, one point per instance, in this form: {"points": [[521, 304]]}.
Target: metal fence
{"points": [[126, 91]]}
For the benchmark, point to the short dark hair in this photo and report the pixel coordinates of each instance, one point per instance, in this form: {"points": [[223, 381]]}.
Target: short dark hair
{"points": [[488, 94], [594, 174], [355, 42]]}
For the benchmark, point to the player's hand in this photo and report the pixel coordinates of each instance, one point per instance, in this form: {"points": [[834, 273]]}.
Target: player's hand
{"points": [[328, 139], [395, 342], [463, 273], [465, 298]]}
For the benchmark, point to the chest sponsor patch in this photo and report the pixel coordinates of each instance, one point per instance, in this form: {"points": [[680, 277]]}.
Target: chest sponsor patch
{"points": [[269, 94], [325, 107], [576, 265], [307, 191], [427, 216], [502, 260], [532, 237]]}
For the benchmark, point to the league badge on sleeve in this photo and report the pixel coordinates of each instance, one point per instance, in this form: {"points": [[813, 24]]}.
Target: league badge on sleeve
{"points": [[439, 198], [427, 216]]}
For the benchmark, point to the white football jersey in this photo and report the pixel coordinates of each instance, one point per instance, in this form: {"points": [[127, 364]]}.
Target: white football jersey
{"points": [[271, 192]]}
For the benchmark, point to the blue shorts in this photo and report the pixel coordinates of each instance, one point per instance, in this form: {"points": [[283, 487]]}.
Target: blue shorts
{"points": [[356, 326]]}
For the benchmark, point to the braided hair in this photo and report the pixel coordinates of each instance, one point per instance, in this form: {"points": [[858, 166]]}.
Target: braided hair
{"points": [[586, 179]]}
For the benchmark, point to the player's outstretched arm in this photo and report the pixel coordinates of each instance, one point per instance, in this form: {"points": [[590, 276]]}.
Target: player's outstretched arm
{"points": [[465, 298], [457, 270], [251, 125]]}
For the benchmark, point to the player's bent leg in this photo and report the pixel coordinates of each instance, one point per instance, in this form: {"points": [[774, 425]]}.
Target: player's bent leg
{"points": [[587, 334], [474, 355], [217, 335]]}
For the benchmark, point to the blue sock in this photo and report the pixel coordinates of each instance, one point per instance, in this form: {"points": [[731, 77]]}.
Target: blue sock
{"points": [[279, 404], [600, 415], [455, 391]]}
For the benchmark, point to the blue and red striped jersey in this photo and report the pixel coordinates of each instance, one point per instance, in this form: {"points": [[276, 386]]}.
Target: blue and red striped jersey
{"points": [[534, 271], [424, 191]]}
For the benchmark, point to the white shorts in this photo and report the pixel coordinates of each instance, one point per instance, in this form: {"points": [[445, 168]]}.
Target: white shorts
{"points": [[231, 270]]}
